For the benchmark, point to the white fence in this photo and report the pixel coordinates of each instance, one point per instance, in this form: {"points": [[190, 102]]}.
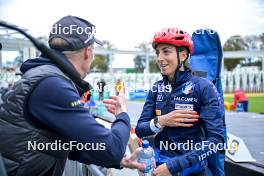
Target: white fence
{"points": [[250, 81]]}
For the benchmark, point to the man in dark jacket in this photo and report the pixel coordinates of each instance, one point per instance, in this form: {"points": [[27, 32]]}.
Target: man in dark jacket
{"points": [[43, 122]]}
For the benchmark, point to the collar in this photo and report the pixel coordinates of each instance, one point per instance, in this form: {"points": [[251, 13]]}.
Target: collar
{"points": [[181, 77]]}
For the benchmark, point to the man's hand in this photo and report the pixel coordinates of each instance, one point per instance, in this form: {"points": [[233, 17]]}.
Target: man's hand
{"points": [[131, 162], [179, 118], [116, 104], [161, 170]]}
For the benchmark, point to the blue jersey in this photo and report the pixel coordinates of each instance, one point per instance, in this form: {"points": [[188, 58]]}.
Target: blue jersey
{"points": [[187, 93]]}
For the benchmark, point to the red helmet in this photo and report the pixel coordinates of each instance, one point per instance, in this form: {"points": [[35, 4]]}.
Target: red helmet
{"points": [[173, 36]]}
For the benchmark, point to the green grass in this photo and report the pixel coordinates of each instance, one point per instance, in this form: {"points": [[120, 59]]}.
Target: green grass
{"points": [[255, 103], [140, 100]]}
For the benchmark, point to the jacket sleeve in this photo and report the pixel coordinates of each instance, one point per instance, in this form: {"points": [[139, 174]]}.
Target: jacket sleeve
{"points": [[56, 104], [212, 123], [148, 113]]}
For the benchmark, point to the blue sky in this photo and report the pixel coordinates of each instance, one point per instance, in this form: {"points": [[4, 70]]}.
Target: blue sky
{"points": [[128, 23]]}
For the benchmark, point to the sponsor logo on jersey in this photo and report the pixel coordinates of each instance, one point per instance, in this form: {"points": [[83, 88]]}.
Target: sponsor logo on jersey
{"points": [[159, 97], [184, 106], [77, 103], [187, 88], [187, 99]]}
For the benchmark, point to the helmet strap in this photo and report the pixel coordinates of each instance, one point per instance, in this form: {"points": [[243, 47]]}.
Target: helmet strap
{"points": [[178, 66], [181, 64], [179, 60]]}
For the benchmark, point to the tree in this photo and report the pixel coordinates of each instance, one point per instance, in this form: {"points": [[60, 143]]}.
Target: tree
{"points": [[238, 43], [153, 66], [140, 63], [230, 64], [144, 46], [108, 45], [235, 43], [99, 64], [252, 42]]}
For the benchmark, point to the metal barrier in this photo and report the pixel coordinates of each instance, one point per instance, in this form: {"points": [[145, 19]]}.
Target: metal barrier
{"points": [[74, 168]]}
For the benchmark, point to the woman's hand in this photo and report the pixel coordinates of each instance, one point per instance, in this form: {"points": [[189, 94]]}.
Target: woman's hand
{"points": [[179, 118]]}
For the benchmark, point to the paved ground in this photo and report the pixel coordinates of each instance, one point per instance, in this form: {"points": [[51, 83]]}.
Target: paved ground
{"points": [[249, 127]]}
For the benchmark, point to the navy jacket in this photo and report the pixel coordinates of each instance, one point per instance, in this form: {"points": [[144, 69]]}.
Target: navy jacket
{"points": [[54, 104], [188, 92]]}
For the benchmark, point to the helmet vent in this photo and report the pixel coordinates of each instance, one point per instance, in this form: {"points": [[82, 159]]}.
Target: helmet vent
{"points": [[179, 38]]}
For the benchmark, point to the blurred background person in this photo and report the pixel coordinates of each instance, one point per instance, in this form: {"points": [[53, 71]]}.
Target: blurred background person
{"points": [[120, 85], [101, 84], [240, 97]]}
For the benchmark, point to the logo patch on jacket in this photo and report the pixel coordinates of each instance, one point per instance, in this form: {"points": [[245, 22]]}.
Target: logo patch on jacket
{"points": [[77, 103], [184, 107], [187, 88], [158, 112], [159, 97]]}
